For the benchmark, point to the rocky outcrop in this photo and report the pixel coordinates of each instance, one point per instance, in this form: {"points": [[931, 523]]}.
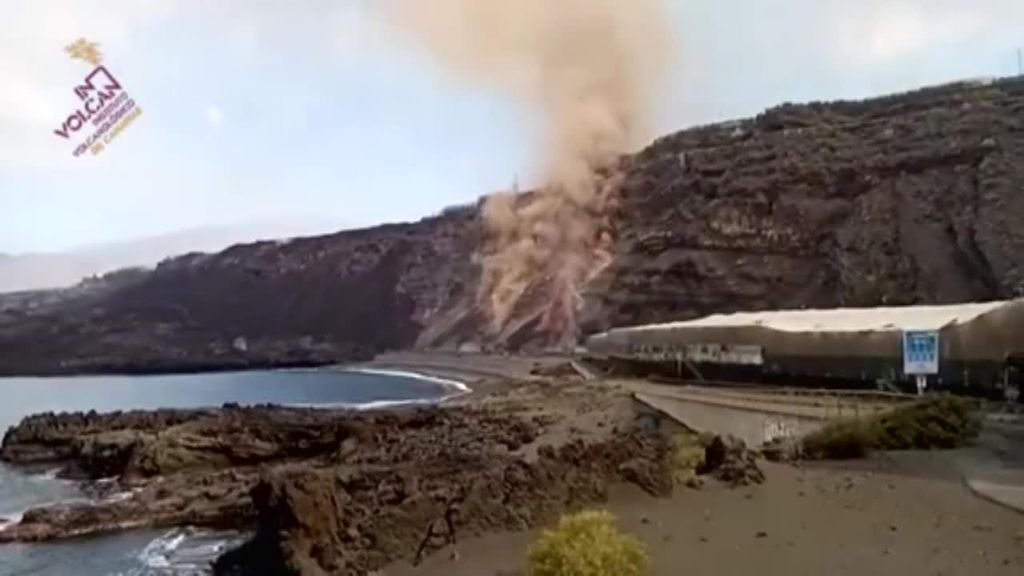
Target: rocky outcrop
{"points": [[729, 460], [912, 198], [355, 522], [341, 491], [98, 444], [215, 498]]}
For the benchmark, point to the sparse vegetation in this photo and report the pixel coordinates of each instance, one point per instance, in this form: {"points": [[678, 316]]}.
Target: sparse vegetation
{"points": [[937, 423], [842, 440], [687, 456], [587, 544]]}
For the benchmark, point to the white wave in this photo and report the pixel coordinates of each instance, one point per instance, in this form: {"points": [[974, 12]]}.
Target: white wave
{"points": [[157, 554], [184, 551], [384, 404], [154, 555], [203, 551], [11, 520], [46, 477], [122, 496], [455, 384], [375, 405], [460, 389]]}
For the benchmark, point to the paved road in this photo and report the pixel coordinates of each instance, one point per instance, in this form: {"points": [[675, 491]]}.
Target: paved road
{"points": [[994, 467], [822, 406]]}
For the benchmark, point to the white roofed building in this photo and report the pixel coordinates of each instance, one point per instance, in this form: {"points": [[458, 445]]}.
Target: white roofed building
{"points": [[976, 343]]}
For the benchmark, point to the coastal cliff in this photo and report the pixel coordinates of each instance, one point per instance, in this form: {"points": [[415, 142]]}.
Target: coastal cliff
{"points": [[911, 198]]}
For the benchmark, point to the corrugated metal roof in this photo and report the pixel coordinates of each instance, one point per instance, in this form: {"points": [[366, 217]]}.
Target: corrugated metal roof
{"points": [[840, 319]]}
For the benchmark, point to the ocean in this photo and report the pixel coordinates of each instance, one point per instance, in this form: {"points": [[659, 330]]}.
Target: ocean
{"points": [[178, 552]]}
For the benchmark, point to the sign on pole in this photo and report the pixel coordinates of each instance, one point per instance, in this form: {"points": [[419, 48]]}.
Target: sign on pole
{"points": [[921, 356], [921, 353]]}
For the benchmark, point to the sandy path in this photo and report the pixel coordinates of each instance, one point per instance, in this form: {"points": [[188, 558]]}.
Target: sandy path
{"points": [[802, 521]]}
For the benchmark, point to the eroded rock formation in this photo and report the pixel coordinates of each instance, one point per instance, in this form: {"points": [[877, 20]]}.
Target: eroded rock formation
{"points": [[345, 492]]}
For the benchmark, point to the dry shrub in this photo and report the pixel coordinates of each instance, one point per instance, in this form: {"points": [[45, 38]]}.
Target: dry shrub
{"points": [[687, 456], [938, 423], [587, 544], [844, 440]]}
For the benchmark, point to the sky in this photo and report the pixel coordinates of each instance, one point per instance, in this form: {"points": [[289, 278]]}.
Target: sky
{"points": [[314, 111]]}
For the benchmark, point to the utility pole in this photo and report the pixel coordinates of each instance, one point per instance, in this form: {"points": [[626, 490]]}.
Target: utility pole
{"points": [[1020, 62]]}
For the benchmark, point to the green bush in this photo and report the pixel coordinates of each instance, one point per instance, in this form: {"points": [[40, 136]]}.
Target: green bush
{"points": [[843, 440], [587, 544], [936, 423]]}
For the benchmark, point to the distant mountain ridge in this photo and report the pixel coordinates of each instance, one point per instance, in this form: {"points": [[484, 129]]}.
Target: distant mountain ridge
{"points": [[911, 198], [63, 269]]}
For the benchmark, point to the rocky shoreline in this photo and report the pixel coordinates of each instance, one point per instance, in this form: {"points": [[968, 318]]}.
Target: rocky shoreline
{"points": [[347, 492]]}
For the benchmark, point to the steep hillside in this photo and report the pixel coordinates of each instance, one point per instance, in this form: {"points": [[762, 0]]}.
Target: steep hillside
{"points": [[905, 199], [909, 198]]}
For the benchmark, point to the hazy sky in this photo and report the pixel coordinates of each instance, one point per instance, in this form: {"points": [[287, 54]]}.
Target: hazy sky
{"points": [[290, 110]]}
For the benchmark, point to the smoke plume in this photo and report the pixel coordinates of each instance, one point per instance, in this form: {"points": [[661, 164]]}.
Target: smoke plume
{"points": [[590, 67]]}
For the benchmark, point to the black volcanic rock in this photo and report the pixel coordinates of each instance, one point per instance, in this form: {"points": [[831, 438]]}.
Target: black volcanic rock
{"points": [[912, 198], [343, 491], [899, 200]]}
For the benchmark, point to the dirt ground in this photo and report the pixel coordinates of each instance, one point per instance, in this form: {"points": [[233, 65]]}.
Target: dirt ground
{"points": [[900, 514], [823, 520]]}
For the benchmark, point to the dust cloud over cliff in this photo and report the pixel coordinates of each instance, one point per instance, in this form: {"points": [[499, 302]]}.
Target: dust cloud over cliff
{"points": [[589, 67]]}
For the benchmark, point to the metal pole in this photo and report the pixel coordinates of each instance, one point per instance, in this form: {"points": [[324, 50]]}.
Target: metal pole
{"points": [[1020, 62]]}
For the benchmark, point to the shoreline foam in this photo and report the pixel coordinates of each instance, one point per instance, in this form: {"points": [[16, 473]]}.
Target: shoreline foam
{"points": [[457, 385], [10, 520], [460, 389]]}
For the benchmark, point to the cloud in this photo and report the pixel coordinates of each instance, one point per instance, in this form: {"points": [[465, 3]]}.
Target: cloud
{"points": [[896, 32], [214, 115], [876, 32]]}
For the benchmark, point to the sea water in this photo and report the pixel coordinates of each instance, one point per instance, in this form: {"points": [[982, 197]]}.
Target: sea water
{"points": [[183, 551]]}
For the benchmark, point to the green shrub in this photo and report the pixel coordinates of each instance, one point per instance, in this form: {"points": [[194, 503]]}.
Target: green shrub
{"points": [[587, 544], [843, 440], [936, 423]]}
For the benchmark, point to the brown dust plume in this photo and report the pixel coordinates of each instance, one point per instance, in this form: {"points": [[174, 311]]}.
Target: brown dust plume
{"points": [[589, 66]]}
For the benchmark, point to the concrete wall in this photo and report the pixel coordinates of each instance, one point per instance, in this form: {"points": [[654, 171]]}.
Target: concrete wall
{"points": [[752, 426]]}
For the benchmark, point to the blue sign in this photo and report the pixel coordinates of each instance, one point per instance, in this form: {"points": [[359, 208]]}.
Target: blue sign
{"points": [[920, 353]]}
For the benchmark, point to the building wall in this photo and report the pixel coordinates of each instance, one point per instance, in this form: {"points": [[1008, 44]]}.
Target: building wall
{"points": [[972, 355]]}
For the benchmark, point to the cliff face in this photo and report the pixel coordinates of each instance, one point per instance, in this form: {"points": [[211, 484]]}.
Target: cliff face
{"points": [[905, 199], [306, 301]]}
